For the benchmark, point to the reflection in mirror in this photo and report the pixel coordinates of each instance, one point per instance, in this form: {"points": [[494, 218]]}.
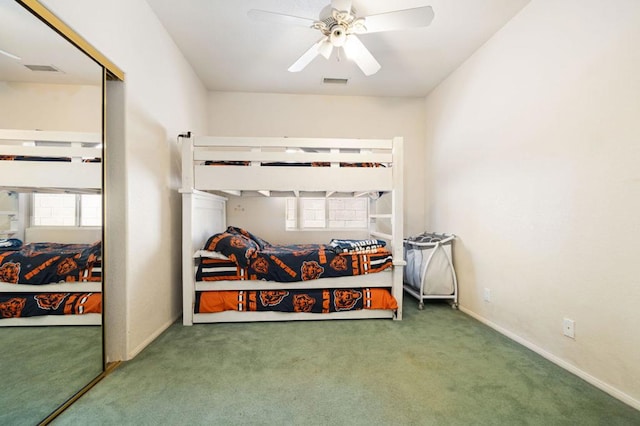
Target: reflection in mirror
{"points": [[50, 217]]}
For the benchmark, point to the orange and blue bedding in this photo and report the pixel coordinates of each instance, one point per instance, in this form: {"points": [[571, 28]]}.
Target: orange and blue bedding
{"points": [[50, 263], [248, 257], [21, 305], [310, 300]]}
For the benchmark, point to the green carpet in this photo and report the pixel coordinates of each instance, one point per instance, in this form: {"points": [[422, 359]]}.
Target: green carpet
{"points": [[42, 367], [437, 367]]}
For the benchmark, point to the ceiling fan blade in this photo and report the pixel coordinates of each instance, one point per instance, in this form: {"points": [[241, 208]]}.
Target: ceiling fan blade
{"points": [[356, 51], [341, 5], [307, 56], [325, 48], [279, 18], [399, 20]]}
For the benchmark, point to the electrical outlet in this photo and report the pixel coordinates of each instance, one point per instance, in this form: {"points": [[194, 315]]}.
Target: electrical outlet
{"points": [[568, 328], [487, 294]]}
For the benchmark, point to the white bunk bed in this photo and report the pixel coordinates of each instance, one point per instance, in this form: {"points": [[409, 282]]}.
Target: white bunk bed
{"points": [[52, 162], [204, 188], [77, 174]]}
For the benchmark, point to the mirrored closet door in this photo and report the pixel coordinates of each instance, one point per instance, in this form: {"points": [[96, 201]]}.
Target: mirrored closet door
{"points": [[51, 133]]}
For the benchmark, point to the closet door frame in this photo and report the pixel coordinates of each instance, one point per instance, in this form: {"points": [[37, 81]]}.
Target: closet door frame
{"points": [[110, 74]]}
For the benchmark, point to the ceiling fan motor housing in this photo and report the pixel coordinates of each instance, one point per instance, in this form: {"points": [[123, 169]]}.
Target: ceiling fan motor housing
{"points": [[336, 24]]}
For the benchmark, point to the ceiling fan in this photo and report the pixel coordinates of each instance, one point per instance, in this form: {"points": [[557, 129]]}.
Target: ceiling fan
{"points": [[340, 27]]}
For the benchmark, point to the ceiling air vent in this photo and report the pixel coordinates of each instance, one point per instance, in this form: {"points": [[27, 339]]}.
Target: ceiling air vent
{"points": [[335, 80], [44, 68]]}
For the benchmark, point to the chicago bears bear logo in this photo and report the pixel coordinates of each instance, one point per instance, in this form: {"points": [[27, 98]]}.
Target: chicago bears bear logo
{"points": [[311, 270], [339, 263], [12, 308], [272, 297], [237, 242], [345, 300], [260, 265], [303, 303], [50, 301], [250, 252], [66, 266], [9, 272]]}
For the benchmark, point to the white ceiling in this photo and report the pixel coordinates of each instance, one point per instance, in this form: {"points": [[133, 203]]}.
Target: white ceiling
{"points": [[231, 52], [25, 36]]}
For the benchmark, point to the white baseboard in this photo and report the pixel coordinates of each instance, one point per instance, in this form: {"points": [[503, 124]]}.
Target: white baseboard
{"points": [[150, 339], [616, 393]]}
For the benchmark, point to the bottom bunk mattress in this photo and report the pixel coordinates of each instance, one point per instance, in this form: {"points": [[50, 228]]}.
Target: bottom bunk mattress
{"points": [[308, 300], [237, 254], [21, 305]]}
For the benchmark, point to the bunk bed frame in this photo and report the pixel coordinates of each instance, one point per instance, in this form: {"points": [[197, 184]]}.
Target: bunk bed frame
{"points": [[204, 208], [70, 175], [50, 176]]}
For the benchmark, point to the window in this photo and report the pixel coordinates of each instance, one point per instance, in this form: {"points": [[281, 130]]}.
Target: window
{"points": [[90, 210], [66, 210], [350, 213], [312, 213], [327, 213]]}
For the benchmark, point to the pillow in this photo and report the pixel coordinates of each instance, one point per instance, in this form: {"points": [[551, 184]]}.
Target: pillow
{"points": [[236, 247], [356, 246], [210, 255], [259, 241], [10, 244]]}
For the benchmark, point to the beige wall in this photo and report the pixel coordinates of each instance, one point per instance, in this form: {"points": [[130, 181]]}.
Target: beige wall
{"points": [[260, 114], [534, 149], [161, 97], [31, 106], [39, 106]]}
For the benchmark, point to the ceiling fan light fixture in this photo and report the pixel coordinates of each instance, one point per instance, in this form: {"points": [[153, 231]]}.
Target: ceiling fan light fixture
{"points": [[358, 53], [338, 35]]}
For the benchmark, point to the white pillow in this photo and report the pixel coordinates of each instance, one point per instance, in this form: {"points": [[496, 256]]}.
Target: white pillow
{"points": [[210, 254]]}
